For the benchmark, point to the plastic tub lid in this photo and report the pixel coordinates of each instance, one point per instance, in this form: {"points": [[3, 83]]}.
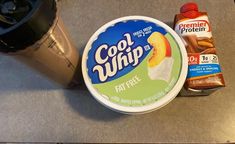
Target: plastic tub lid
{"points": [[134, 64]]}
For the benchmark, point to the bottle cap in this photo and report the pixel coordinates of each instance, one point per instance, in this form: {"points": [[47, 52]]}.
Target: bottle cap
{"points": [[189, 7], [190, 10]]}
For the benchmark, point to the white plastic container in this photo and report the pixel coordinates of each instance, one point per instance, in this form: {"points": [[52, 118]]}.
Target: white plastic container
{"points": [[134, 64]]}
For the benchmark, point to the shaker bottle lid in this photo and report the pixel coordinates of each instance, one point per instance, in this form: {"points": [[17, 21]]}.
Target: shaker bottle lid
{"points": [[134, 64], [23, 22]]}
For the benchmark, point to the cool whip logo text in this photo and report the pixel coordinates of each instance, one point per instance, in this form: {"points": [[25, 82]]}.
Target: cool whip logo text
{"points": [[194, 26], [117, 57]]}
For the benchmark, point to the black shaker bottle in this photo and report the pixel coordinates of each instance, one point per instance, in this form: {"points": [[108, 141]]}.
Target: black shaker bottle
{"points": [[32, 31]]}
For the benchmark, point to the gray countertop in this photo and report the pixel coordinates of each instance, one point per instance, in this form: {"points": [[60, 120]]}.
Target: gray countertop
{"points": [[33, 109]]}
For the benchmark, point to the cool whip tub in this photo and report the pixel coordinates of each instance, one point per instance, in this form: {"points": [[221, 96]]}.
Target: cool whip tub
{"points": [[134, 64]]}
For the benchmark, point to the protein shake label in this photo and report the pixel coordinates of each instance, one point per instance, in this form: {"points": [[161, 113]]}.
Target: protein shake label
{"points": [[134, 63], [194, 28]]}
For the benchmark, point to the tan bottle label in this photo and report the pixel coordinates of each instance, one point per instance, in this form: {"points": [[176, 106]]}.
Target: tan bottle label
{"points": [[53, 55]]}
